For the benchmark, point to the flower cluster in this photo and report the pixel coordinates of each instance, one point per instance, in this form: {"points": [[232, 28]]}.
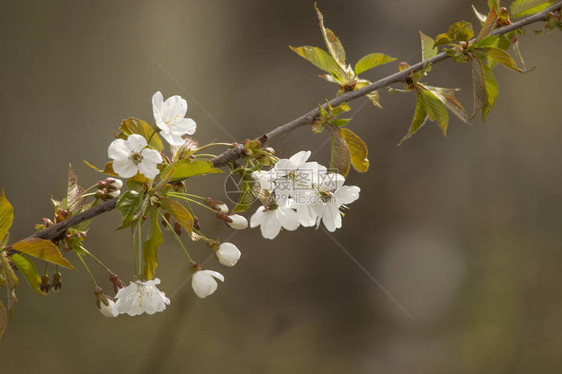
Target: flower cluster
{"points": [[297, 192]]}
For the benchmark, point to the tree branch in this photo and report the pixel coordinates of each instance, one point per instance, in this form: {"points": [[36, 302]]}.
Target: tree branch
{"points": [[56, 231]]}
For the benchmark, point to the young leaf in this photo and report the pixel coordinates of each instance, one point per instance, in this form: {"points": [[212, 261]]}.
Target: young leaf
{"points": [[460, 31], [481, 17], [74, 192], [374, 97], [187, 168], [428, 50], [446, 96], [138, 126], [357, 149], [317, 57], [42, 249], [6, 216], [179, 212], [150, 247], [521, 8], [332, 42], [107, 169], [435, 110], [488, 24], [29, 271], [420, 116], [129, 205], [372, 60], [501, 56], [485, 88], [340, 160], [12, 281], [249, 190]]}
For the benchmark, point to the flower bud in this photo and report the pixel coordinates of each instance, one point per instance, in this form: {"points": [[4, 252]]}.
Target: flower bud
{"points": [[228, 254], [196, 224], [113, 184], [204, 283], [56, 284], [113, 194], [105, 303], [177, 228], [217, 205], [117, 283], [45, 286], [236, 221]]}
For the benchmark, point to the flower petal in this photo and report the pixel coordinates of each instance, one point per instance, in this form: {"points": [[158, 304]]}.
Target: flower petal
{"points": [[117, 150], [175, 108], [288, 218], [185, 126], [157, 101], [257, 218], [347, 194], [136, 142], [125, 167], [270, 226]]}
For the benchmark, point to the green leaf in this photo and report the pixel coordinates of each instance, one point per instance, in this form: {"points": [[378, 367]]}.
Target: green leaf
{"points": [[485, 88], [332, 42], [150, 247], [488, 24], [180, 213], [29, 271], [42, 249], [6, 216], [521, 8], [435, 110], [340, 160], [187, 168], [420, 116], [138, 126], [374, 97], [107, 169], [318, 57], [3, 320], [428, 50], [129, 205], [357, 150], [340, 122], [12, 281], [372, 60], [460, 31], [249, 190], [501, 56], [488, 41], [446, 96]]}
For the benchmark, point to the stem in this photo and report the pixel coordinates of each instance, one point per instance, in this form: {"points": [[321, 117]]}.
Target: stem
{"points": [[193, 201], [135, 254], [177, 237], [87, 269], [56, 231], [96, 259], [139, 231], [205, 155]]}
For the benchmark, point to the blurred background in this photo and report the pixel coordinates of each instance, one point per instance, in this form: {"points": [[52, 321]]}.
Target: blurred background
{"points": [[463, 232]]}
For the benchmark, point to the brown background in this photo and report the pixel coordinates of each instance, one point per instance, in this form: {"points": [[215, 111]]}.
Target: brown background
{"points": [[464, 231]]}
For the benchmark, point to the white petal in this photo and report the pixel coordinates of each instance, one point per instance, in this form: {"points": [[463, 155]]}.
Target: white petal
{"points": [[347, 194], [204, 284], [228, 254], [270, 226], [257, 217], [157, 101], [136, 142], [107, 310], [331, 217], [151, 155], [288, 218], [185, 126], [118, 150], [148, 169], [125, 167], [175, 108], [299, 158]]}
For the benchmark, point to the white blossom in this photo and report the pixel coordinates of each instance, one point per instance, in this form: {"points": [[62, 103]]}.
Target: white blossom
{"points": [[140, 297], [169, 116], [228, 254], [272, 220], [237, 222], [132, 155], [204, 283]]}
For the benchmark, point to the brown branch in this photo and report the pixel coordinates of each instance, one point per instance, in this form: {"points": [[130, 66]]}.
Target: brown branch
{"points": [[56, 231]]}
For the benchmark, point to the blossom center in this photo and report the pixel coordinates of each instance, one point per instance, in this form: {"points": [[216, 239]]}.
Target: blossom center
{"points": [[136, 157]]}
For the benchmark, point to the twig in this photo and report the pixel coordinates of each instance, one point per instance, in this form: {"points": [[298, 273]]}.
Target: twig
{"points": [[56, 231]]}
